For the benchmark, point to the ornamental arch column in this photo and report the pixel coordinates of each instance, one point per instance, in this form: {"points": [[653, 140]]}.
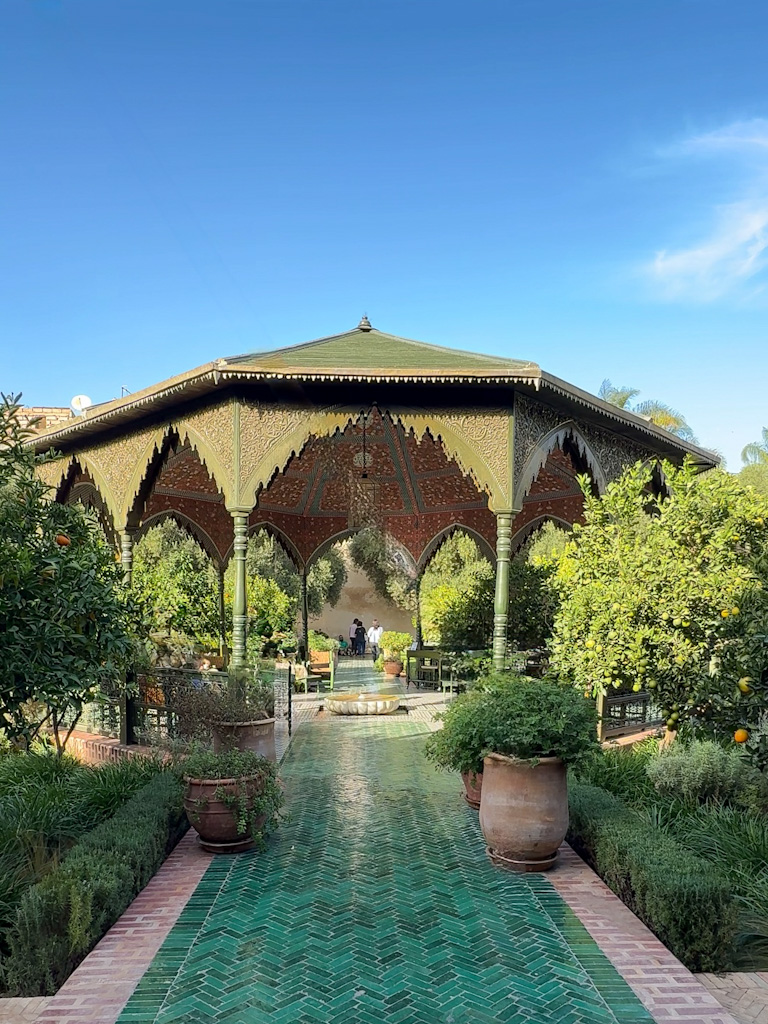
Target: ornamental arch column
{"points": [[501, 597]]}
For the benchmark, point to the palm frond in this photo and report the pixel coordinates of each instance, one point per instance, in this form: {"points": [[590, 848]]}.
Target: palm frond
{"points": [[756, 452], [620, 397], [666, 417]]}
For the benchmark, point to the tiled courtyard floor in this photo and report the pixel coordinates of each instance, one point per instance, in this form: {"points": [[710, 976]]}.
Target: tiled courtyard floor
{"points": [[375, 903]]}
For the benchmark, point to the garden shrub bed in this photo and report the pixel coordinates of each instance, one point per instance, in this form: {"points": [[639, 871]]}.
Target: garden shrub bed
{"points": [[62, 917], [686, 901]]}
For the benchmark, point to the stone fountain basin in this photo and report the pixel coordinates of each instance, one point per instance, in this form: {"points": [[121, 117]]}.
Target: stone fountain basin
{"points": [[362, 703]]}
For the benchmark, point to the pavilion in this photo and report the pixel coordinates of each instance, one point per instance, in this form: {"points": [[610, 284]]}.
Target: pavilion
{"points": [[315, 441]]}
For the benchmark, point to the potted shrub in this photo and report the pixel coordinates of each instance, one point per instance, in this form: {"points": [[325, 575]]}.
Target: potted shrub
{"points": [[458, 746], [393, 646], [232, 799], [238, 715], [531, 730]]}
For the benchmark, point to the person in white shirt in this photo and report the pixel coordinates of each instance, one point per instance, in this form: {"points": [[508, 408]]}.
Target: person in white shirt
{"points": [[374, 636]]}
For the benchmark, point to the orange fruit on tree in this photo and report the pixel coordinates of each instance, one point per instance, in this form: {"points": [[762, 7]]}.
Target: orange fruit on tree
{"points": [[63, 540], [741, 735]]}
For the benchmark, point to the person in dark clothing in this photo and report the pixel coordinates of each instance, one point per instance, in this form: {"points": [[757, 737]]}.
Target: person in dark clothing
{"points": [[360, 638]]}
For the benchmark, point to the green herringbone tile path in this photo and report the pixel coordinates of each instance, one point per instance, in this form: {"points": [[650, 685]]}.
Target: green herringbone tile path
{"points": [[375, 903]]}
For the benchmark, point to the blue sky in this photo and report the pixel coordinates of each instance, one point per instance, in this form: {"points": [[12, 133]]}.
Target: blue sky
{"points": [[583, 183]]}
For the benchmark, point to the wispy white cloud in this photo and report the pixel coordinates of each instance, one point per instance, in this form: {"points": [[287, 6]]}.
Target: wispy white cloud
{"points": [[732, 259], [732, 255], [740, 136]]}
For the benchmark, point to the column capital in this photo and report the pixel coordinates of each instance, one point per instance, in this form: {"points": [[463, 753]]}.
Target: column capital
{"points": [[239, 510]]}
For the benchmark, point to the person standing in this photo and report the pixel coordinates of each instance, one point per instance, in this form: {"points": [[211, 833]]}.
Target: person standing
{"points": [[374, 637], [360, 637], [353, 637]]}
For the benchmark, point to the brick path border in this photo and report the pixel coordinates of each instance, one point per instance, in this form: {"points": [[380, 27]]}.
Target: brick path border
{"points": [[101, 986], [667, 989]]}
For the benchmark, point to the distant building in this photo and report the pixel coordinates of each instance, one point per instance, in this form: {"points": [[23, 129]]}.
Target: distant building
{"points": [[47, 417]]}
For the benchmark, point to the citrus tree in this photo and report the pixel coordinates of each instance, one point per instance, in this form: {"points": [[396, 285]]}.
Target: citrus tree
{"points": [[671, 595], [176, 585], [65, 627]]}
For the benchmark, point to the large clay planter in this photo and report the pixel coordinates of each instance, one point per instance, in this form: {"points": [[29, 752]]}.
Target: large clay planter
{"points": [[473, 787], [258, 736], [393, 667], [214, 821], [524, 811]]}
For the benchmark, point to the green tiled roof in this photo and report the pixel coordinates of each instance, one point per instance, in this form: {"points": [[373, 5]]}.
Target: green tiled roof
{"points": [[367, 350]]}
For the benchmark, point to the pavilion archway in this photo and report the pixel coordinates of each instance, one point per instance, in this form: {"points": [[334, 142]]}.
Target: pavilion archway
{"points": [[373, 472]]}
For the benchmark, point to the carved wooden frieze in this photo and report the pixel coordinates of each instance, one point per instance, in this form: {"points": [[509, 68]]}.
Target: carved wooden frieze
{"points": [[614, 452], [53, 473], [118, 468], [539, 428], [533, 421], [479, 440], [211, 432]]}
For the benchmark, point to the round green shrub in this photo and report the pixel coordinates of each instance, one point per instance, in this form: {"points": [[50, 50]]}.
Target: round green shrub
{"points": [[535, 718]]}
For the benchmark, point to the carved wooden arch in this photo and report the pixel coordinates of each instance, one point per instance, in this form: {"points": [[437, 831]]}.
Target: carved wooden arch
{"points": [[349, 532], [329, 542], [479, 441], [189, 526], [86, 493], [557, 437], [164, 442], [433, 546], [59, 475], [534, 526], [145, 473], [211, 433]]}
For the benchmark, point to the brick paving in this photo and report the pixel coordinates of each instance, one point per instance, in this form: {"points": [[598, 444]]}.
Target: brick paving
{"points": [[99, 988], [666, 988], [21, 1011], [744, 995]]}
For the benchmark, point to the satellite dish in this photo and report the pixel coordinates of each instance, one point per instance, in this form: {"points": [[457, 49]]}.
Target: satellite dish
{"points": [[79, 404]]}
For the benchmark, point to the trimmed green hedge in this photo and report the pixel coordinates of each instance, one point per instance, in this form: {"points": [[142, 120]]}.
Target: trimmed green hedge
{"points": [[62, 917], [686, 901]]}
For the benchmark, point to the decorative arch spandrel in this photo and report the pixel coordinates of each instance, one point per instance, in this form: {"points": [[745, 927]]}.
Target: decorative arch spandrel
{"points": [[54, 473], [270, 435], [118, 467], [555, 438], [478, 439], [211, 432]]}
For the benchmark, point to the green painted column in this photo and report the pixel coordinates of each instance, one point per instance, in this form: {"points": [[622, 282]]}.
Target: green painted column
{"points": [[126, 554], [304, 640], [418, 612], [128, 698], [501, 600], [240, 606], [222, 616]]}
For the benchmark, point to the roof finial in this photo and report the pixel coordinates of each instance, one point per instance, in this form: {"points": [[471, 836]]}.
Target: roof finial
{"points": [[365, 324]]}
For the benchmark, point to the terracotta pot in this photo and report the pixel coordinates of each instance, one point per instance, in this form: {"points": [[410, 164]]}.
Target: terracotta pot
{"points": [[473, 786], [393, 667], [258, 736], [524, 811], [214, 821]]}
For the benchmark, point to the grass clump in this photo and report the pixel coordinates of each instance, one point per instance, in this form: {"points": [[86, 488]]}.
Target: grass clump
{"points": [[47, 803]]}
